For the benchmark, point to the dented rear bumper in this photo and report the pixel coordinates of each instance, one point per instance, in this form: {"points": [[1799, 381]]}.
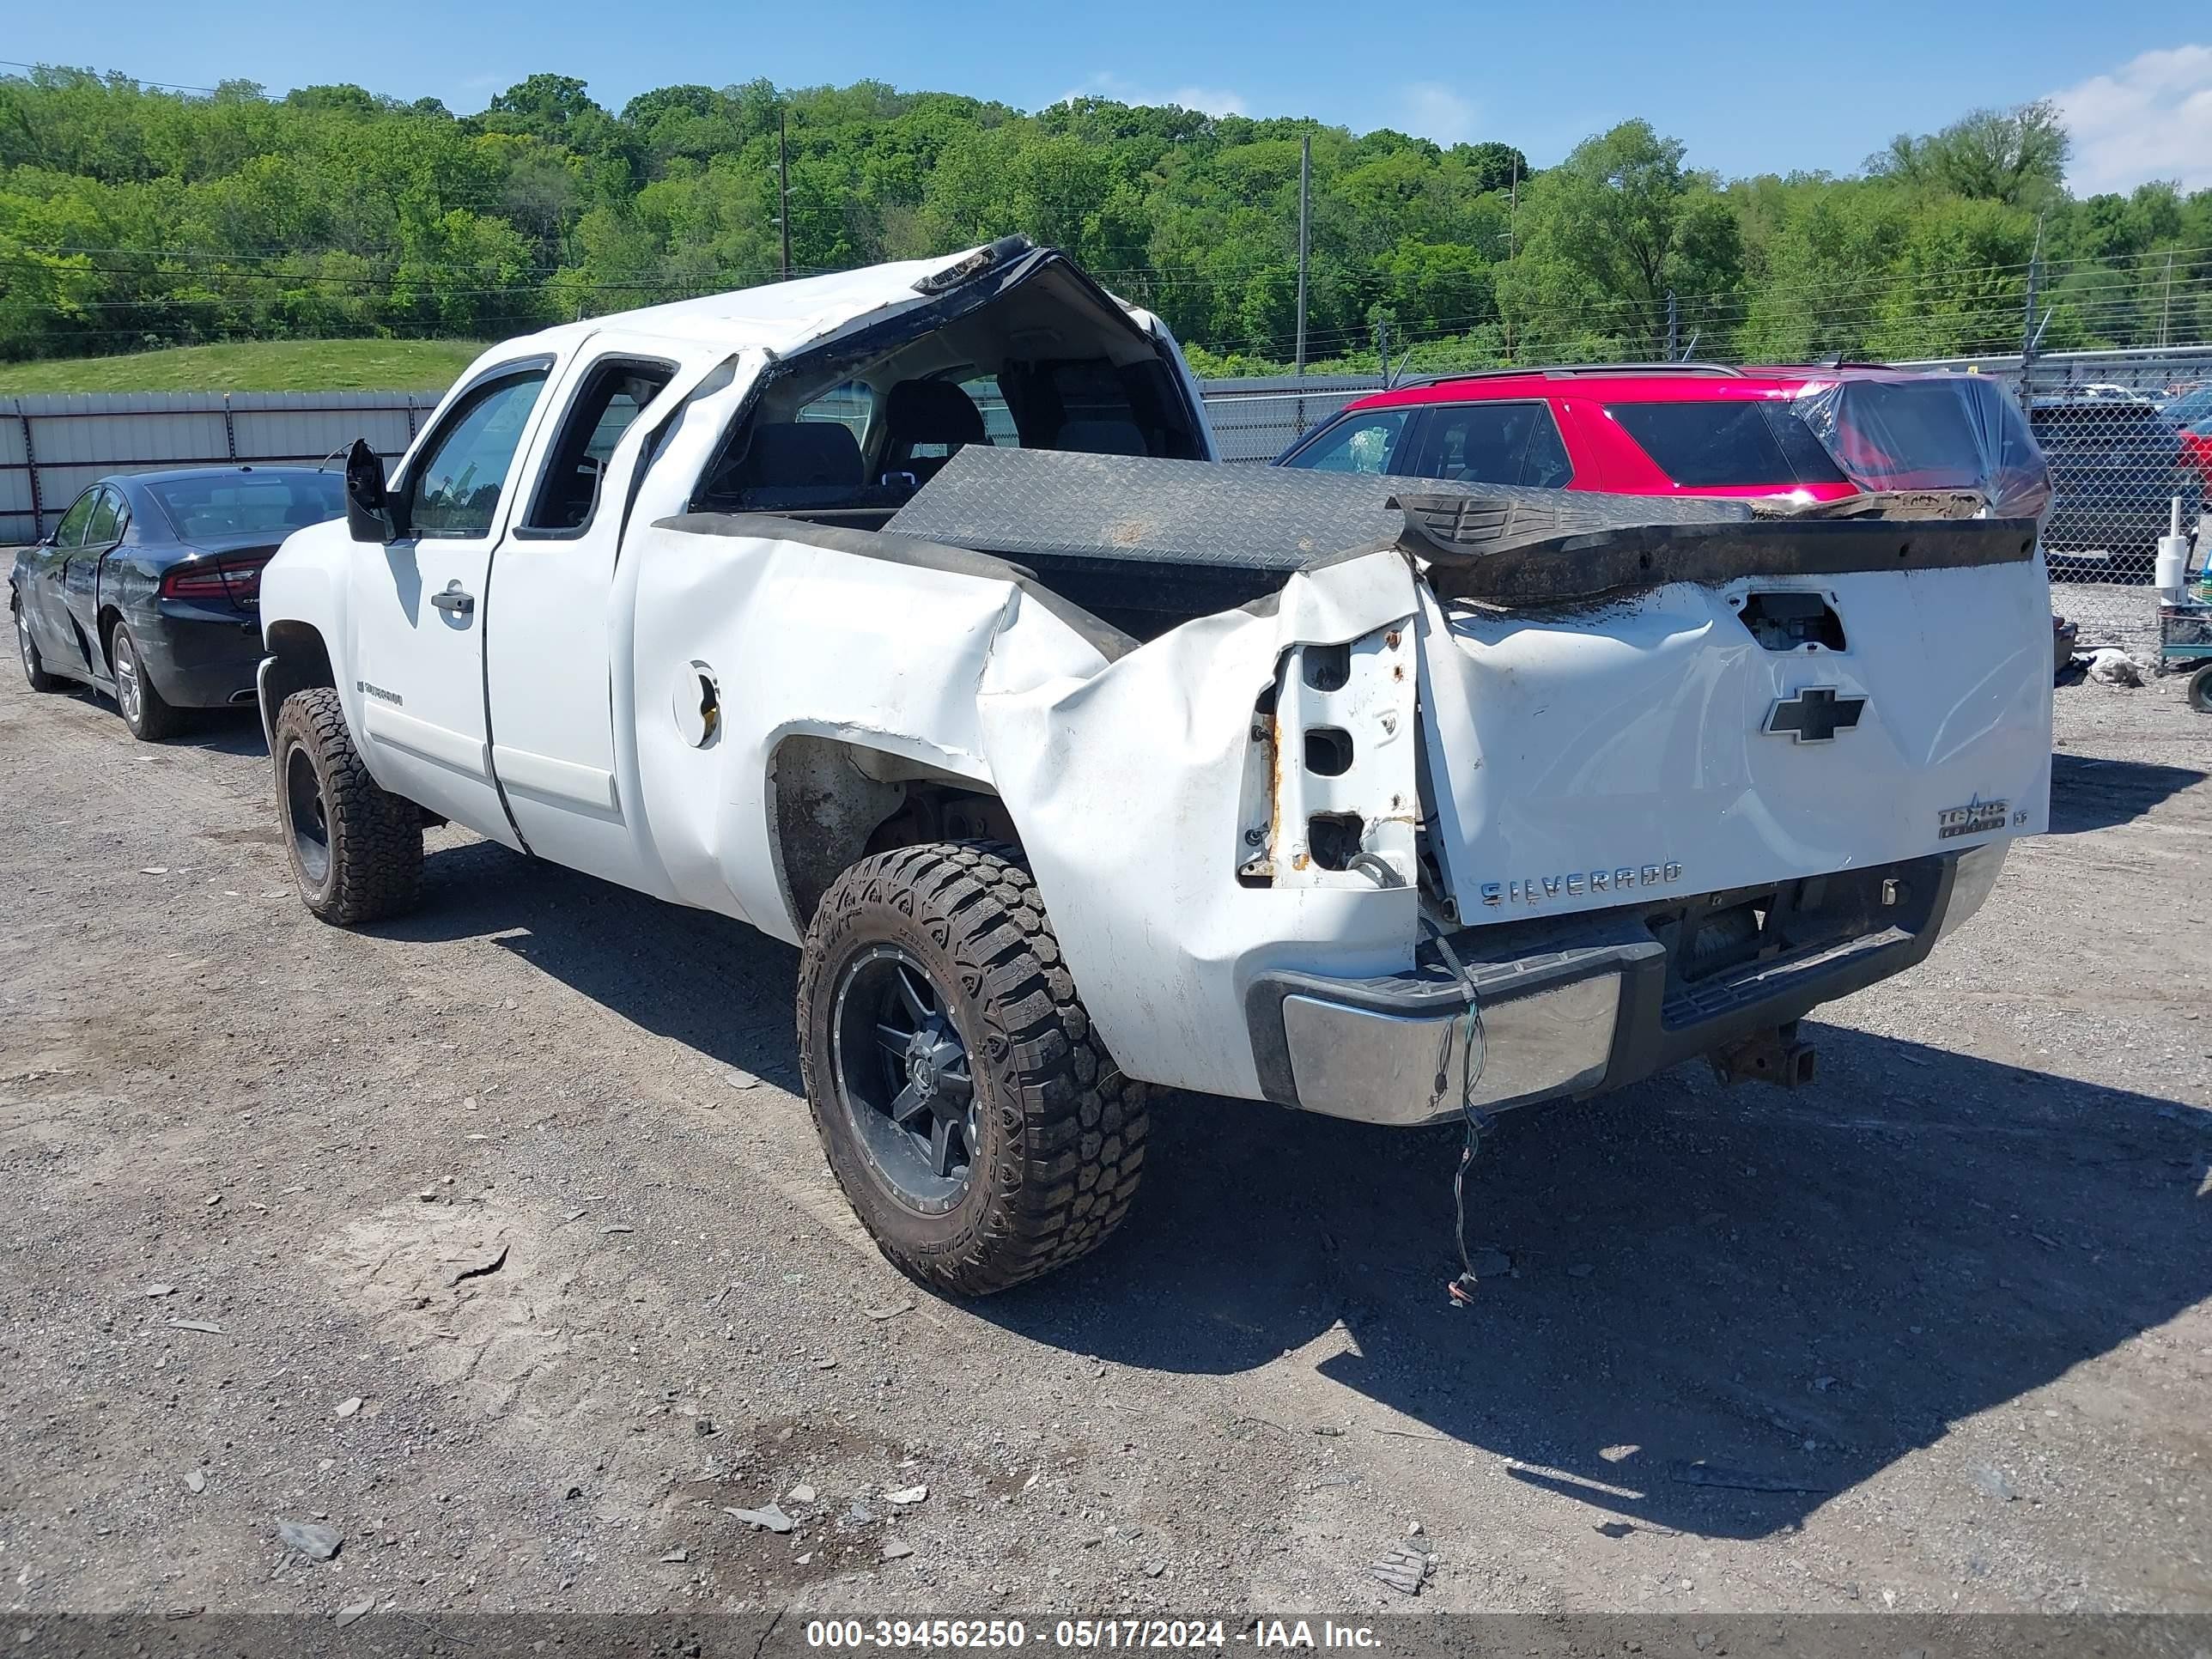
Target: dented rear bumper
{"points": [[1586, 1004]]}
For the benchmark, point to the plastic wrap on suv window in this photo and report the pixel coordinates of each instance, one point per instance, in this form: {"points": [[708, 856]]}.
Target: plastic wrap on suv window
{"points": [[1933, 432]]}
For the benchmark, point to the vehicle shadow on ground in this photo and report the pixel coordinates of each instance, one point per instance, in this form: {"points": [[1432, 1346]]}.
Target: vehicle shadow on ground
{"points": [[219, 731], [2087, 794], [715, 984], [1712, 1289]]}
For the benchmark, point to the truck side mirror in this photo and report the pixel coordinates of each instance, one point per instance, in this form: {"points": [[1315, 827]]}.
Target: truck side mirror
{"points": [[368, 505]]}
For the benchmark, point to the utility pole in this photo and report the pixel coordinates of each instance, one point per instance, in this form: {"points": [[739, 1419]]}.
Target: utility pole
{"points": [[1305, 211], [2028, 332], [783, 186], [1512, 213], [2165, 305], [1673, 327]]}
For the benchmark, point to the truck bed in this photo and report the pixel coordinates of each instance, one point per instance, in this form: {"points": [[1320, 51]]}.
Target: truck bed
{"points": [[1149, 544]]}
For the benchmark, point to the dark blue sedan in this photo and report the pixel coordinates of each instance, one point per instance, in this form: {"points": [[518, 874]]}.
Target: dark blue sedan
{"points": [[149, 587]]}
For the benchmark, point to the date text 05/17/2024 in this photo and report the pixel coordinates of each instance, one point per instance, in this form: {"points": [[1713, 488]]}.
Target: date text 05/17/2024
{"points": [[1087, 1634]]}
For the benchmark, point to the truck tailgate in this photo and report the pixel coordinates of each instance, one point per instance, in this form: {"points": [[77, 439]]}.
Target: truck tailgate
{"points": [[1797, 718]]}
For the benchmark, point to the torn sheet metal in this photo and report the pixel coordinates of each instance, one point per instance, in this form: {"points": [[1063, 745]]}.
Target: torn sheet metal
{"points": [[1128, 786]]}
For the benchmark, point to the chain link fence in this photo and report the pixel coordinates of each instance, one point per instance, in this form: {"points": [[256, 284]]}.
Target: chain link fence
{"points": [[2125, 433]]}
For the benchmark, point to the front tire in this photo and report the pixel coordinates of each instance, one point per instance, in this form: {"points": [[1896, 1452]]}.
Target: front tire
{"points": [[356, 850], [150, 716], [977, 1125], [35, 667]]}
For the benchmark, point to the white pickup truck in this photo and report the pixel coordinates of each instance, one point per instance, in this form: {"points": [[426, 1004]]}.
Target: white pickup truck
{"points": [[906, 615]]}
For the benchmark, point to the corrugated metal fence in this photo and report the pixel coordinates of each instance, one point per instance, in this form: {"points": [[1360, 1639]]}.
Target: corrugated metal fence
{"points": [[53, 445]]}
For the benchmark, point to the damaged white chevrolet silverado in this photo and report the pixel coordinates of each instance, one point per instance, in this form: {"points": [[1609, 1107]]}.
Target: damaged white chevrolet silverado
{"points": [[905, 615]]}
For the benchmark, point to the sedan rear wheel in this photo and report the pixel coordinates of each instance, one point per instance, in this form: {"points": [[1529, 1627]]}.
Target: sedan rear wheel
{"points": [[150, 716]]}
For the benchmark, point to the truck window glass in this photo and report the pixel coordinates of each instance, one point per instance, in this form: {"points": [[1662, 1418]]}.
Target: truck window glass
{"points": [[852, 406], [455, 490], [1719, 445], [612, 396], [998, 420], [1502, 443], [1367, 442]]}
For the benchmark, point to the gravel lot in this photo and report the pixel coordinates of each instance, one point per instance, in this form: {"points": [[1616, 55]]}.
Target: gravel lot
{"points": [[524, 1177]]}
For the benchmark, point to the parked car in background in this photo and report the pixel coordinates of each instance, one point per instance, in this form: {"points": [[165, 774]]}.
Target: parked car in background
{"points": [[148, 588], [2196, 449], [2192, 409], [1815, 433], [2117, 463]]}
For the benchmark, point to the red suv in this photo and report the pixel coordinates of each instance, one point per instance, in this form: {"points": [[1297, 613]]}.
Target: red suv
{"points": [[1694, 429]]}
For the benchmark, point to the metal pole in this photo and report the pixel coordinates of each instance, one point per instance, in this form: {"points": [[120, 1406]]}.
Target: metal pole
{"points": [[1305, 211], [31, 471], [783, 187], [2028, 332], [1305, 215], [1512, 216], [1673, 327], [2166, 306]]}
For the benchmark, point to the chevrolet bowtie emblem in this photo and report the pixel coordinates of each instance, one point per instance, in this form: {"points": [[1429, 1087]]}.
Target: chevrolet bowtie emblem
{"points": [[1816, 715]]}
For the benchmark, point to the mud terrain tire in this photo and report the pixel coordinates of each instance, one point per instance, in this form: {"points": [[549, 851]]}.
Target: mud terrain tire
{"points": [[1058, 1133], [357, 851]]}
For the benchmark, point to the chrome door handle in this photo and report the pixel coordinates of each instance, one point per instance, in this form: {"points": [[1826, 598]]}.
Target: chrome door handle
{"points": [[454, 600]]}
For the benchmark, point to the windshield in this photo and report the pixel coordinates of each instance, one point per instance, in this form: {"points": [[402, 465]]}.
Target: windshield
{"points": [[241, 504]]}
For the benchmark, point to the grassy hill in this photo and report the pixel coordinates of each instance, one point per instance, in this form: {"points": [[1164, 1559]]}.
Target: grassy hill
{"points": [[256, 366]]}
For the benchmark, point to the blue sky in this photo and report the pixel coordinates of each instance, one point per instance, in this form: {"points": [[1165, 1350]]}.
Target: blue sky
{"points": [[1749, 87]]}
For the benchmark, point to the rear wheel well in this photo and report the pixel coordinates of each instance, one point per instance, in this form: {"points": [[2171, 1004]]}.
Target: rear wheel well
{"points": [[110, 618], [834, 803]]}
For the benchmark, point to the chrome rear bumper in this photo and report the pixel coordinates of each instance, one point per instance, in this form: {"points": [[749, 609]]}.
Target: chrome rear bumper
{"points": [[1591, 1003]]}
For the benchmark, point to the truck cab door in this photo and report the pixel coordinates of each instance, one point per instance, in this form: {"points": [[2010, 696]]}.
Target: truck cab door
{"points": [[550, 641], [417, 603]]}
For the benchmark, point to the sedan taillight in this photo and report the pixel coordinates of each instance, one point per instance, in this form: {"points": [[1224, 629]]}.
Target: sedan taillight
{"points": [[236, 578]]}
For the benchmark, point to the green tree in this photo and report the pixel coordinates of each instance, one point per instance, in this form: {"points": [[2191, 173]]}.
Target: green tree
{"points": [[1607, 235]]}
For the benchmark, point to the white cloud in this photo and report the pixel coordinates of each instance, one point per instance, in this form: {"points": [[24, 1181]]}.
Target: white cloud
{"points": [[2151, 118], [1430, 109], [1214, 101]]}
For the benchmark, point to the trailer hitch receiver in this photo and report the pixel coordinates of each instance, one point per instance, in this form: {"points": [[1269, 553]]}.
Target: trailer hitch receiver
{"points": [[1775, 1056]]}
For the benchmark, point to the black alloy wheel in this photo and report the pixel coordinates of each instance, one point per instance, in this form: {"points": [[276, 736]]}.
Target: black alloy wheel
{"points": [[902, 1077]]}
